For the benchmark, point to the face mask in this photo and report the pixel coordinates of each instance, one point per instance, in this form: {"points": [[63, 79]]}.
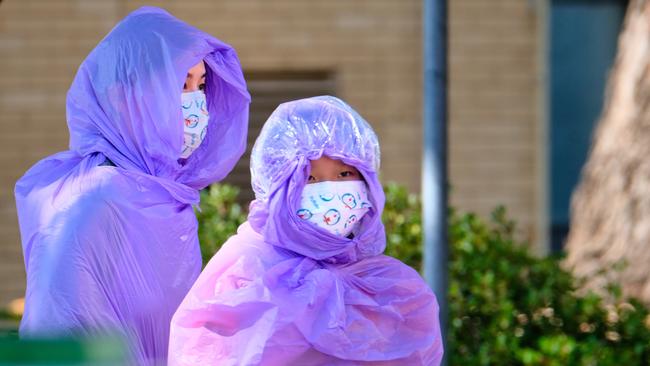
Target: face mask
{"points": [[335, 206], [195, 113]]}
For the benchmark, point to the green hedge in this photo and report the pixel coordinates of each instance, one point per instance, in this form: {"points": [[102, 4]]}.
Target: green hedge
{"points": [[507, 307], [219, 217]]}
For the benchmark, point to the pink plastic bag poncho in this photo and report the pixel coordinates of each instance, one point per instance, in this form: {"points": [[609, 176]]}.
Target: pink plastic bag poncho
{"points": [[115, 248], [285, 292]]}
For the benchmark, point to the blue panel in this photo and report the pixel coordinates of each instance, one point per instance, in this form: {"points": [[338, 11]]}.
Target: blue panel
{"points": [[583, 46]]}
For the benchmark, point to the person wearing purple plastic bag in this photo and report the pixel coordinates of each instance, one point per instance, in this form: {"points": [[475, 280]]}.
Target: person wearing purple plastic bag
{"points": [[304, 280], [156, 112]]}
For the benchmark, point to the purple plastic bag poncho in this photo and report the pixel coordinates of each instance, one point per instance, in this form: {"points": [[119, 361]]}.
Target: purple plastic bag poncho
{"points": [[284, 292], [115, 248]]}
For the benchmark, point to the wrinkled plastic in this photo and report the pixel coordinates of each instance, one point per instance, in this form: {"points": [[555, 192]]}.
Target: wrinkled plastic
{"points": [[285, 292], [114, 249]]}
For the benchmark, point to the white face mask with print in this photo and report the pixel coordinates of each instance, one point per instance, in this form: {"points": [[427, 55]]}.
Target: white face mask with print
{"points": [[335, 206], [195, 114]]}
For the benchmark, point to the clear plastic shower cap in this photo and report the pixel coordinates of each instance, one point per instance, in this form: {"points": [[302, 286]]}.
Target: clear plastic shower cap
{"points": [[309, 128]]}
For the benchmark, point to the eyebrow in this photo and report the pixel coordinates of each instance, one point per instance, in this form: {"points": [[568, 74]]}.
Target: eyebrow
{"points": [[188, 74]]}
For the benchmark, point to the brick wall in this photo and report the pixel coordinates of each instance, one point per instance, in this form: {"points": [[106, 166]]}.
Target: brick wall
{"points": [[496, 144], [372, 47]]}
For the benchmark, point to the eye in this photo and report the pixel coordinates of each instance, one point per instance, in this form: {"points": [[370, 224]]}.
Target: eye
{"points": [[311, 178], [202, 87], [347, 174]]}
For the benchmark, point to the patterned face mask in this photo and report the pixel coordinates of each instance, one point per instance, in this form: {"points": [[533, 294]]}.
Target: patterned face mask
{"points": [[335, 206], [195, 113]]}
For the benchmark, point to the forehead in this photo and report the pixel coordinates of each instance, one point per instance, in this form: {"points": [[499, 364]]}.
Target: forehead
{"points": [[197, 70], [325, 162]]}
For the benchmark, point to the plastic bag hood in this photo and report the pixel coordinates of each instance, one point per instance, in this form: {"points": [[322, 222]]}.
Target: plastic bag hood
{"points": [[294, 134], [125, 100]]}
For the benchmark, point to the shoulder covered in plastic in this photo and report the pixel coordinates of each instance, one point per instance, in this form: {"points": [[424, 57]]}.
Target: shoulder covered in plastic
{"points": [[84, 199], [94, 190], [244, 255]]}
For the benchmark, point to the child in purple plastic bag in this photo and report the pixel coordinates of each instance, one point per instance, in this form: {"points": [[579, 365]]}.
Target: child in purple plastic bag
{"points": [[304, 281]]}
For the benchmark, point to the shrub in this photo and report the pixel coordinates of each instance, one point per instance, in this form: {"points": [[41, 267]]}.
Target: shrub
{"points": [[219, 217]]}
